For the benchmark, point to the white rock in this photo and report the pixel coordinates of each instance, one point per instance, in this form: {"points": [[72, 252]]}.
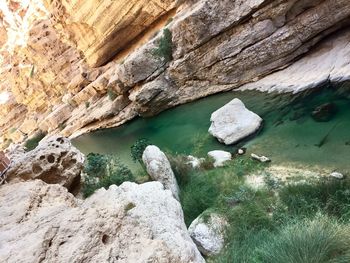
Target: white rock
{"points": [[159, 169], [262, 159], [208, 234], [194, 161], [220, 157], [240, 151], [131, 223], [233, 122], [55, 161], [337, 175]]}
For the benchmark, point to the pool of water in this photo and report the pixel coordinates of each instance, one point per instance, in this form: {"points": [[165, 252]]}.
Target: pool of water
{"points": [[290, 135]]}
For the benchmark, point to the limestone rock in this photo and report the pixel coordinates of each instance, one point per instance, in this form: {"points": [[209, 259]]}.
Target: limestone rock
{"points": [[194, 161], [208, 234], [234, 122], [220, 157], [130, 223], [262, 159], [54, 160], [158, 167], [337, 175]]}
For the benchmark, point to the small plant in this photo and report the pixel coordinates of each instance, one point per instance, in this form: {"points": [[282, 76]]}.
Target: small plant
{"points": [[164, 50], [87, 104], [62, 126], [137, 150], [111, 94]]}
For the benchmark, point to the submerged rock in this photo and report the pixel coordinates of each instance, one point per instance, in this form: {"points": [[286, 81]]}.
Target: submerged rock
{"points": [[208, 233], [220, 157], [55, 161], [130, 223], [194, 161], [159, 169], [324, 112], [234, 122]]}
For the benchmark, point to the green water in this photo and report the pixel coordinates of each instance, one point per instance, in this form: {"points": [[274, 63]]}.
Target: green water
{"points": [[289, 137]]}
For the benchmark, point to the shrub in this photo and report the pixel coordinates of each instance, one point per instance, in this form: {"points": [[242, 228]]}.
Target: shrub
{"points": [[103, 171], [137, 150], [33, 142], [165, 47], [87, 104]]}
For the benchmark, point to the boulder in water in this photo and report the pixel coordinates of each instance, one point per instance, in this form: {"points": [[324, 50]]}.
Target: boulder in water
{"points": [[234, 122], [324, 112], [220, 157]]}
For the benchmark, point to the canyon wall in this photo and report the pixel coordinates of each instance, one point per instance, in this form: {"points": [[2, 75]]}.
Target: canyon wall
{"points": [[93, 64]]}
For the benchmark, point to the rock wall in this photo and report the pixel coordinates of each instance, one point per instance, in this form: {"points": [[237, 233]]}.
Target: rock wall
{"points": [[214, 46]]}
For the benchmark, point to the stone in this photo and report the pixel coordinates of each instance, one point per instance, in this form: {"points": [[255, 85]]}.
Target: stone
{"points": [[262, 159], [194, 161], [209, 233], [220, 157], [55, 161], [130, 223], [234, 122], [324, 112], [241, 151], [159, 169], [337, 175]]}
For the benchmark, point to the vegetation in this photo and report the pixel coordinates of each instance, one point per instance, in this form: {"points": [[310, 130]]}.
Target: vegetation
{"points": [[164, 50], [33, 142], [137, 150], [111, 94], [87, 104], [103, 171]]}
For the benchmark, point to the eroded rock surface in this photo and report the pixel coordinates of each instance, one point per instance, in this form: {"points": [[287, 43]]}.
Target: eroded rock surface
{"points": [[159, 169], [130, 223], [55, 161], [234, 122]]}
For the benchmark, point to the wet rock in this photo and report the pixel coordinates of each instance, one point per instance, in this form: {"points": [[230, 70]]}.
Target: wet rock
{"points": [[130, 223], [220, 157], [208, 233], [324, 112], [159, 169], [194, 161], [55, 161], [234, 122], [262, 159]]}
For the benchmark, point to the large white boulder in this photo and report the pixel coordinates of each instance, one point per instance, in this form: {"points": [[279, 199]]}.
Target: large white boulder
{"points": [[208, 233], [55, 161], [159, 169], [234, 122], [220, 157], [131, 223]]}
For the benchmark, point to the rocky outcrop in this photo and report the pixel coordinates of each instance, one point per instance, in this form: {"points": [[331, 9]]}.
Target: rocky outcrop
{"points": [[234, 122], [130, 223], [54, 160], [159, 169], [215, 45], [209, 233], [220, 157], [101, 29]]}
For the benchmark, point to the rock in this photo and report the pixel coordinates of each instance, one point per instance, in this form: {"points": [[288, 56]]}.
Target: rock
{"points": [[241, 151], [130, 223], [208, 234], [159, 169], [262, 159], [194, 161], [54, 160], [324, 112], [234, 122], [337, 175], [220, 157]]}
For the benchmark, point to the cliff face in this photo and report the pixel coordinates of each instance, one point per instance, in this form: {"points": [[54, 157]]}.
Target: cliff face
{"points": [[92, 64]]}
